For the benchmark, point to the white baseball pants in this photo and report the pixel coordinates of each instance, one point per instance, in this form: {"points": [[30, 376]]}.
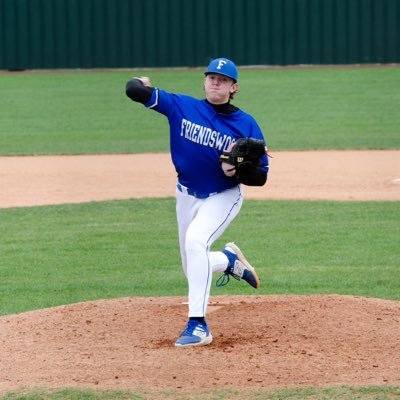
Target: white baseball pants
{"points": [[200, 223]]}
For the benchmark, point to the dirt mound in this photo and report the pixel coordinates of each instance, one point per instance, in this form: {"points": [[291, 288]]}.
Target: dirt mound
{"points": [[259, 342]]}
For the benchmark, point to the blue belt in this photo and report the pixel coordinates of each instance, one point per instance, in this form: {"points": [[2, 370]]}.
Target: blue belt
{"points": [[191, 192]]}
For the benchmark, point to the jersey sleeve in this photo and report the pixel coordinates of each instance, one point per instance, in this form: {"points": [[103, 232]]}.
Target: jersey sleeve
{"points": [[162, 101]]}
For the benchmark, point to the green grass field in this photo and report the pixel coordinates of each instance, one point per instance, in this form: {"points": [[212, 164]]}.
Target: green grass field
{"points": [[335, 393], [64, 254], [77, 113]]}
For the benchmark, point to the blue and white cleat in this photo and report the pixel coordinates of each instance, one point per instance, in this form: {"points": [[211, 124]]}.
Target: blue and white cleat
{"points": [[238, 267], [195, 334]]}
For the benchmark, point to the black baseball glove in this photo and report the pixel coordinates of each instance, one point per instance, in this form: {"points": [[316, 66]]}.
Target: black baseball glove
{"points": [[245, 158], [244, 150]]}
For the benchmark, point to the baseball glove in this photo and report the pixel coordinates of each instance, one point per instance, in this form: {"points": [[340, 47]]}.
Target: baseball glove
{"points": [[244, 151]]}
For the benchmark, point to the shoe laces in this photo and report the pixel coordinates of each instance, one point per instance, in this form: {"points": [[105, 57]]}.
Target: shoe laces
{"points": [[223, 280], [191, 326]]}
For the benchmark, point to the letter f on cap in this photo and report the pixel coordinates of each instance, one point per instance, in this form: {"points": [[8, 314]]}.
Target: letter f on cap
{"points": [[221, 63], [222, 66]]}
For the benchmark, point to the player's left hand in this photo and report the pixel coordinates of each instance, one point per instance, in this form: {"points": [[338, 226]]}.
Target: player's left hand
{"points": [[229, 169]]}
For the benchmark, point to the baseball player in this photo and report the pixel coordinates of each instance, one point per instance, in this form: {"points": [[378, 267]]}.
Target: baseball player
{"points": [[209, 190]]}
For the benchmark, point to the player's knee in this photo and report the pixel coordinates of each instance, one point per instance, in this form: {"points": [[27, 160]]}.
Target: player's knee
{"points": [[195, 243]]}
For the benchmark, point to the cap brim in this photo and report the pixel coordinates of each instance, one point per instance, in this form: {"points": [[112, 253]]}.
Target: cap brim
{"points": [[217, 73]]}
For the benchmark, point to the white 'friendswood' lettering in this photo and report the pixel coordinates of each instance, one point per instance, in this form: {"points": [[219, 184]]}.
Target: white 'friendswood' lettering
{"points": [[204, 135]]}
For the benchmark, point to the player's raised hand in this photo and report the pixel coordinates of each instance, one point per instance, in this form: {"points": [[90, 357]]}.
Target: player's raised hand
{"points": [[145, 80]]}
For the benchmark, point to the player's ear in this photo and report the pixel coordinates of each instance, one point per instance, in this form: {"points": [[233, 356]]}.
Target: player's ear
{"points": [[234, 88]]}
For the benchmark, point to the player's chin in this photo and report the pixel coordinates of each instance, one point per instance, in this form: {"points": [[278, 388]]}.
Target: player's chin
{"points": [[216, 97]]}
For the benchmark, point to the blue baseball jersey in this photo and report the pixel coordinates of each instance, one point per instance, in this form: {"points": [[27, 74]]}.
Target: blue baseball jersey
{"points": [[199, 135]]}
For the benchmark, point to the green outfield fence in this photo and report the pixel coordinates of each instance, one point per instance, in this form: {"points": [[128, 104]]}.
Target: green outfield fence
{"points": [[41, 34]]}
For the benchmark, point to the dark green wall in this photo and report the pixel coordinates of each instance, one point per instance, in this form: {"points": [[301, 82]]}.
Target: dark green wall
{"points": [[159, 33]]}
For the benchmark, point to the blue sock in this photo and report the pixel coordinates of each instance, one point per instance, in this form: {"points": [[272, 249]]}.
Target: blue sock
{"points": [[198, 319]]}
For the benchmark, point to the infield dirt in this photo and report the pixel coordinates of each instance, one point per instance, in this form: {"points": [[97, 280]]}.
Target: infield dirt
{"points": [[323, 175]]}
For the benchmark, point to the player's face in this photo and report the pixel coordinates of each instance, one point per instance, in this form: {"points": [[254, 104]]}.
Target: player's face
{"points": [[218, 88]]}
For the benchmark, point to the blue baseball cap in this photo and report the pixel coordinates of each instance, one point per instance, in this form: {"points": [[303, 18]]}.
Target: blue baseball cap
{"points": [[223, 66]]}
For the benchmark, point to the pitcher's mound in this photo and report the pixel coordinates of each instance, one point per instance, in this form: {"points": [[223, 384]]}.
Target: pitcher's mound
{"points": [[259, 341]]}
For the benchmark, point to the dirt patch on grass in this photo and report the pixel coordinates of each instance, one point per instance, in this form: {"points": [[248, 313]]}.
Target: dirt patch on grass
{"points": [[324, 175]]}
